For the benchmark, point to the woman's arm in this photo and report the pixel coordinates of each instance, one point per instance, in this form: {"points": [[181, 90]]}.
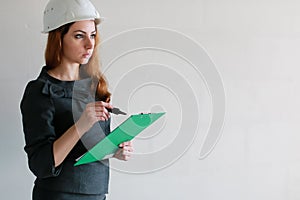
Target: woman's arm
{"points": [[44, 150], [93, 113]]}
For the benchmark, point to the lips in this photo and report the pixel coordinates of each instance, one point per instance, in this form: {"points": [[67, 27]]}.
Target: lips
{"points": [[86, 55]]}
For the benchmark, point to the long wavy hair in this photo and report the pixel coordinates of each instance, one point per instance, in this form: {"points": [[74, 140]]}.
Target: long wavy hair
{"points": [[54, 54]]}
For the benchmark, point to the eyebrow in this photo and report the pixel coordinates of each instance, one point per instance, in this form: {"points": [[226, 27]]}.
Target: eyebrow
{"points": [[84, 31]]}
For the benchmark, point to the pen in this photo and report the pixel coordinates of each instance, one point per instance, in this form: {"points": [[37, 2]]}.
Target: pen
{"points": [[116, 111]]}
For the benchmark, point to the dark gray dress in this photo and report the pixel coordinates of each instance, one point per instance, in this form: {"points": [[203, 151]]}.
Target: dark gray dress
{"points": [[50, 107]]}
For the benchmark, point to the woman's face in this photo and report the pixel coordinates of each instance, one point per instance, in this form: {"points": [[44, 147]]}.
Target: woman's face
{"points": [[79, 42]]}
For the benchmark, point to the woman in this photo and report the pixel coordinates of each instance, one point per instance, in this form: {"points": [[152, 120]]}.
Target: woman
{"points": [[65, 110]]}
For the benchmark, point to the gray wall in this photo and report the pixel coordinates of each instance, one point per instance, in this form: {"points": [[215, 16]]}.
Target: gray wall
{"points": [[254, 46]]}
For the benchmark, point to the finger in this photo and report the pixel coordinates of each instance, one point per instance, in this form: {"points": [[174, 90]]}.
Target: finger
{"points": [[127, 152], [122, 151], [126, 158], [128, 148], [102, 118], [121, 155], [103, 104], [92, 114], [127, 143], [98, 106], [103, 114], [101, 109]]}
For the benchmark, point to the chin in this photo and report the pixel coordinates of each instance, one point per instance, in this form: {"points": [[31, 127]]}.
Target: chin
{"points": [[84, 62]]}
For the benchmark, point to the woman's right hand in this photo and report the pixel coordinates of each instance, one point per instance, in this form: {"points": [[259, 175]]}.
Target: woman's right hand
{"points": [[94, 112]]}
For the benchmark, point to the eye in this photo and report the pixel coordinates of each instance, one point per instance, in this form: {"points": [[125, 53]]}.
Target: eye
{"points": [[79, 36], [93, 36]]}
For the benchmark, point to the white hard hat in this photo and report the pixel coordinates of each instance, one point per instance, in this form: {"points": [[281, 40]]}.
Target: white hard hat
{"points": [[61, 12]]}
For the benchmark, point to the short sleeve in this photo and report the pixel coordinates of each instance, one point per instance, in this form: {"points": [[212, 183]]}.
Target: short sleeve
{"points": [[37, 116]]}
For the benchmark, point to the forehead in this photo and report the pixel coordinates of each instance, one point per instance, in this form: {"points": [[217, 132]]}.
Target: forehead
{"points": [[86, 26]]}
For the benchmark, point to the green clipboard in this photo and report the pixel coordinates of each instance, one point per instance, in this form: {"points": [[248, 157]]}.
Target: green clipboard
{"points": [[126, 131]]}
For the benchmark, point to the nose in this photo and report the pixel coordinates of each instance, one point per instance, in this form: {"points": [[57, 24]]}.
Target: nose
{"points": [[89, 43]]}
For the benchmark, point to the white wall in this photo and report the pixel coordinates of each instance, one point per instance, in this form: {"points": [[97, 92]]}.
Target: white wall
{"points": [[254, 45]]}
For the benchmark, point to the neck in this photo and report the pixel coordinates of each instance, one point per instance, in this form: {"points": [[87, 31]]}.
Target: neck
{"points": [[65, 72]]}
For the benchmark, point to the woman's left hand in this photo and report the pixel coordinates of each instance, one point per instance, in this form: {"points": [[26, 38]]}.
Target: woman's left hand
{"points": [[124, 151]]}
